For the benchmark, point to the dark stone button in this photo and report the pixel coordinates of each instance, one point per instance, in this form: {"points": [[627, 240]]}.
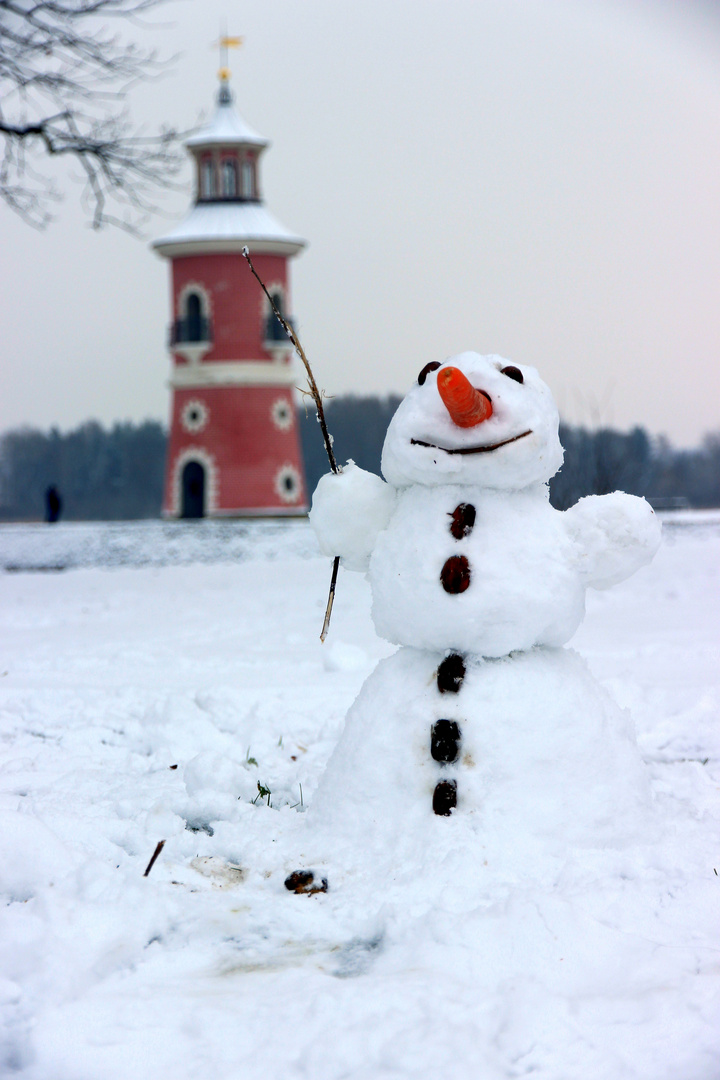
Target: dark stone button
{"points": [[445, 741], [445, 798], [432, 366], [455, 574], [463, 519], [450, 674], [303, 881]]}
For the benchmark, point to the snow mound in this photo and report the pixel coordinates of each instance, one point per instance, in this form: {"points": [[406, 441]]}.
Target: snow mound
{"points": [[32, 857]]}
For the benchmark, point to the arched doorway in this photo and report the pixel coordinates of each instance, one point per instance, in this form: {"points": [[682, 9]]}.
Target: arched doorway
{"points": [[193, 491]]}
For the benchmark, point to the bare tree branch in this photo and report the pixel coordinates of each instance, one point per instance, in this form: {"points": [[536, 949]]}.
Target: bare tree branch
{"points": [[327, 437], [64, 80]]}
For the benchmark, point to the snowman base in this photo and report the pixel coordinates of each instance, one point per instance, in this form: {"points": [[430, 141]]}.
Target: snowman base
{"points": [[490, 766]]}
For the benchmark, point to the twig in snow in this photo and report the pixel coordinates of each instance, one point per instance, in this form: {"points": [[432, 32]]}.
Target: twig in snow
{"points": [[317, 398], [156, 852]]}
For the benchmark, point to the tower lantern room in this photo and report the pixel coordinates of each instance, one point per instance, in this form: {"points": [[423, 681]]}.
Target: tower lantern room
{"points": [[234, 448]]}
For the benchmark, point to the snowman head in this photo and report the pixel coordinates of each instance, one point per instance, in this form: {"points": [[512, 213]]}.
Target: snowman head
{"points": [[474, 420]]}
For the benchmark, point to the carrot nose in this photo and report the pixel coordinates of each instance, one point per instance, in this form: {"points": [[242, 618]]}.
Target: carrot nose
{"points": [[466, 405]]}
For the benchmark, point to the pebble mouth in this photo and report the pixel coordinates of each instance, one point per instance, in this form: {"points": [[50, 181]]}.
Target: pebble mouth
{"points": [[471, 449]]}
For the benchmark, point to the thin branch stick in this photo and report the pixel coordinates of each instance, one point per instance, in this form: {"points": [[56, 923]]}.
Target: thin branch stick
{"points": [[317, 398], [156, 852], [331, 598]]}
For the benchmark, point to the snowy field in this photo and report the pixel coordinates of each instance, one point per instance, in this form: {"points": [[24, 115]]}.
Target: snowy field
{"points": [[153, 686]]}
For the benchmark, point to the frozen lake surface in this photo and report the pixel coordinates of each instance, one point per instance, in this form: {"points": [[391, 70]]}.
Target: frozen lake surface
{"points": [[172, 670], [69, 545]]}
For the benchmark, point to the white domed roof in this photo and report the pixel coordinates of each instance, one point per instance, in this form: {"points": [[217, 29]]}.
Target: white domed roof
{"points": [[226, 128], [229, 226]]}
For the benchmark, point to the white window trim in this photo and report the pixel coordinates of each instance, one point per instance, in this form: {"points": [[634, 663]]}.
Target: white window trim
{"points": [[205, 299], [248, 170], [224, 162], [208, 165]]}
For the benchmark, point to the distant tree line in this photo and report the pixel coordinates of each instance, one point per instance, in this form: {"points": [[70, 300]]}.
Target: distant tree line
{"points": [[117, 473], [597, 462], [101, 474]]}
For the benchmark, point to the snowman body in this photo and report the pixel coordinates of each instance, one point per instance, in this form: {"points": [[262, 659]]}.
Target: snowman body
{"points": [[480, 716], [520, 587]]}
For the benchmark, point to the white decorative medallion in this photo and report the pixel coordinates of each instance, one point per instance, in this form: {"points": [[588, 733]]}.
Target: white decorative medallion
{"points": [[287, 483], [194, 416], [282, 414]]}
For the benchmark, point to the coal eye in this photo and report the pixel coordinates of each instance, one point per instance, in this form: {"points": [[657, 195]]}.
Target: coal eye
{"points": [[513, 373], [432, 366]]}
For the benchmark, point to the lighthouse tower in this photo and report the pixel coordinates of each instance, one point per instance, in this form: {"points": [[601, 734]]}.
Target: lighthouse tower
{"points": [[234, 448]]}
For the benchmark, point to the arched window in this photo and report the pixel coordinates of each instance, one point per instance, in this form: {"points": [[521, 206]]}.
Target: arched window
{"points": [[229, 179], [194, 318], [207, 179], [192, 325], [248, 178], [273, 327]]}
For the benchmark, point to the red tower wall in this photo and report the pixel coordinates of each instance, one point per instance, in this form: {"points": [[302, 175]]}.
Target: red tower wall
{"points": [[246, 455], [244, 436], [237, 305]]}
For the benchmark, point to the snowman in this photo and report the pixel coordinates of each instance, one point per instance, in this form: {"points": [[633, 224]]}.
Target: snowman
{"points": [[481, 735]]}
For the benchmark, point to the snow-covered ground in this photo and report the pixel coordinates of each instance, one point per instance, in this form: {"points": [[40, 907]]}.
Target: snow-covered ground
{"points": [[150, 689]]}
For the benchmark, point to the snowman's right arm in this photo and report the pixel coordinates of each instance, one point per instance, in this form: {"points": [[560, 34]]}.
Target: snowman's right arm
{"points": [[349, 510]]}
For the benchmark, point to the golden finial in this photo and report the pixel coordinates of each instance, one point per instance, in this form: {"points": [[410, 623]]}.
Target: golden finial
{"points": [[222, 45]]}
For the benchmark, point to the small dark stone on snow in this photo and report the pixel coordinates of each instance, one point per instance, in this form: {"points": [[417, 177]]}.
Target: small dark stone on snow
{"points": [[455, 574], [303, 881], [513, 373], [463, 519], [432, 366], [451, 674], [445, 741], [445, 798]]}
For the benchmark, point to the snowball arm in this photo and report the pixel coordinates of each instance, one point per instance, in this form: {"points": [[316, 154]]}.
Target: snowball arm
{"points": [[613, 535], [349, 510]]}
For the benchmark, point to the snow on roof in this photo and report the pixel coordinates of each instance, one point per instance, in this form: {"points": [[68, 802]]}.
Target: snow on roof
{"points": [[226, 127], [228, 226]]}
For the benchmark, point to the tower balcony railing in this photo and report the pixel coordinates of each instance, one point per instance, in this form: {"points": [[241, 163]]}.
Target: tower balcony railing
{"points": [[190, 332], [275, 335]]}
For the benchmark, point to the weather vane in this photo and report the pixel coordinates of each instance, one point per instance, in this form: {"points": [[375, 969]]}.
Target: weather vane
{"points": [[222, 45]]}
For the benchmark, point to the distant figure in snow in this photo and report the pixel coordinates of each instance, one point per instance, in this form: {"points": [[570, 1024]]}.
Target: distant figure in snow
{"points": [[53, 505]]}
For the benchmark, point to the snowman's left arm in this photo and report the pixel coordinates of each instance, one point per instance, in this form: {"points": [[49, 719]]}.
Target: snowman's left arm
{"points": [[349, 510], [613, 536]]}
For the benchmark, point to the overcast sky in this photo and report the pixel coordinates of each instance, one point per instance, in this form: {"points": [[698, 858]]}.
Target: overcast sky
{"points": [[535, 178]]}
